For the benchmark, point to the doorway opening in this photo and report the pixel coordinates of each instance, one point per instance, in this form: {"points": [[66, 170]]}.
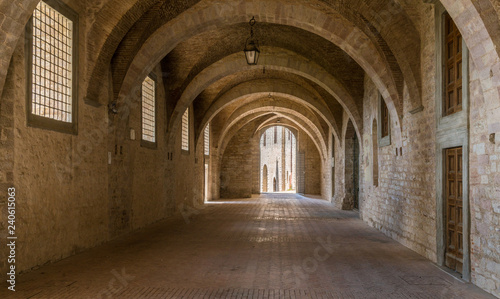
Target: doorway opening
{"points": [[454, 250], [278, 147], [351, 144]]}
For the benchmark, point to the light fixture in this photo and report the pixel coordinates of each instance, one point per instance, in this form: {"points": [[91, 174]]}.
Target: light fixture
{"points": [[252, 46]]}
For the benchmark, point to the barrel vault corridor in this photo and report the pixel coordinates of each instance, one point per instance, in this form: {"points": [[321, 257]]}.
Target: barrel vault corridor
{"points": [[307, 148]]}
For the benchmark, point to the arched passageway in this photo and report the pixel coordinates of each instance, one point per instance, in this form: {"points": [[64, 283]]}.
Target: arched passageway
{"points": [[137, 111]]}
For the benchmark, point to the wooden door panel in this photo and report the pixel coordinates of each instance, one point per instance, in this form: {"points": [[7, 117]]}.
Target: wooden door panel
{"points": [[454, 209], [453, 64]]}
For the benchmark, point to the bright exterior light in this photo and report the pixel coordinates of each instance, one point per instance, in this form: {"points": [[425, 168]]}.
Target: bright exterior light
{"points": [[252, 46]]}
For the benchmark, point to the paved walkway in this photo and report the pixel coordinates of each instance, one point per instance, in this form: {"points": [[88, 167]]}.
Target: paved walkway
{"points": [[273, 246]]}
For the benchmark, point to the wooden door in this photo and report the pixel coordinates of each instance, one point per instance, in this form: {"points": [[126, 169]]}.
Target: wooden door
{"points": [[454, 210]]}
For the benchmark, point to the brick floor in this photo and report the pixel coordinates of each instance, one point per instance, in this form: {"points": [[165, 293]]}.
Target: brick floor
{"points": [[272, 246]]}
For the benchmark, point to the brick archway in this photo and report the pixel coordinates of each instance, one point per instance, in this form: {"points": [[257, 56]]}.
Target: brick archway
{"points": [[236, 63], [337, 30], [294, 93], [252, 113], [469, 20]]}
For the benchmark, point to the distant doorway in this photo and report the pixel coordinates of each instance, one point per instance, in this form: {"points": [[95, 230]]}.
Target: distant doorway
{"points": [[278, 159]]}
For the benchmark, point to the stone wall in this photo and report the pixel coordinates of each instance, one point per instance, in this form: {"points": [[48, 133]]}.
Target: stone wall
{"points": [[484, 194], [403, 206], [313, 166], [237, 173], [236, 169], [68, 197]]}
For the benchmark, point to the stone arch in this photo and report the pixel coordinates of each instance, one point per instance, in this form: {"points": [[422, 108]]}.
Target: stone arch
{"points": [[247, 117], [233, 130], [376, 19], [337, 30], [303, 120], [474, 23], [235, 64], [270, 123], [267, 87]]}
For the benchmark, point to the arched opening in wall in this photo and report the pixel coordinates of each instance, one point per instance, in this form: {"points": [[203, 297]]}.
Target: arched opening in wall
{"points": [[351, 168], [375, 153], [264, 179], [280, 150]]}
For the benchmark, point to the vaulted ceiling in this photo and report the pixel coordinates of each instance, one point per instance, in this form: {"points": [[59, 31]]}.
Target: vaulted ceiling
{"points": [[315, 57]]}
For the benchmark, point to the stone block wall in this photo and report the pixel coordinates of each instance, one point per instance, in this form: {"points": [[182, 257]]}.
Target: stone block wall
{"points": [[236, 169], [313, 166], [403, 206], [69, 198], [237, 173], [484, 195]]}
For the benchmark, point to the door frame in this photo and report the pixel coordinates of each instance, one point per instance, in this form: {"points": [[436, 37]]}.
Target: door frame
{"points": [[441, 203], [451, 131]]}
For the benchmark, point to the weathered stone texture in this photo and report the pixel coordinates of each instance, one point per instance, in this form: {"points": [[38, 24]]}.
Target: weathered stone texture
{"points": [[236, 171], [403, 204], [317, 54], [484, 193]]}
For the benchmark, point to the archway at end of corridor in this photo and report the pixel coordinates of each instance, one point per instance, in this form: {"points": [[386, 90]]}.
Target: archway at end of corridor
{"points": [[278, 160]]}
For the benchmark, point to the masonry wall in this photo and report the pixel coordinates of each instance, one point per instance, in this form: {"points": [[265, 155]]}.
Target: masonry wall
{"points": [[68, 198], [236, 169], [237, 173], [61, 180], [484, 173], [403, 206], [313, 165]]}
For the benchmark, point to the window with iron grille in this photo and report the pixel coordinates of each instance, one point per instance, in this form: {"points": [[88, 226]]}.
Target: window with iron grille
{"points": [[185, 130], [207, 140], [148, 110], [52, 60]]}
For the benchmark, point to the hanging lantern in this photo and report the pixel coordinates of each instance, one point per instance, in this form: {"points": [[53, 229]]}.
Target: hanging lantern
{"points": [[252, 46]]}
